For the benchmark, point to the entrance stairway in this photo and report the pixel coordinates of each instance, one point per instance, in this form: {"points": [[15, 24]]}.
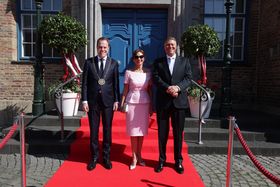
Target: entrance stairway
{"points": [[43, 134], [215, 139], [261, 132]]}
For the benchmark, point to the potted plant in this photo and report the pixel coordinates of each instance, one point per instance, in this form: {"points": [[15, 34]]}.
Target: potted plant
{"points": [[66, 96], [195, 96], [200, 41], [66, 34]]}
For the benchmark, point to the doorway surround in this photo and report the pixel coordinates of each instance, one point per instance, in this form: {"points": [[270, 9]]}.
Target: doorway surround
{"points": [[178, 18]]}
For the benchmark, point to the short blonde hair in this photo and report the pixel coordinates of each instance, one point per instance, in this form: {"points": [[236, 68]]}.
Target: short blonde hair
{"points": [[170, 38]]}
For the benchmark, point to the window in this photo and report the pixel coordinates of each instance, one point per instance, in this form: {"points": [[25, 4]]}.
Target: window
{"points": [[215, 17], [28, 26]]}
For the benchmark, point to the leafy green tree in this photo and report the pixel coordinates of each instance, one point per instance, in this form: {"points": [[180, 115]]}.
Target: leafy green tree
{"points": [[66, 34], [200, 41], [63, 32]]}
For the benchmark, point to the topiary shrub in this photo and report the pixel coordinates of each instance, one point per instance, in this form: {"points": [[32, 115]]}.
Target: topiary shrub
{"points": [[66, 34], [63, 33], [200, 41]]}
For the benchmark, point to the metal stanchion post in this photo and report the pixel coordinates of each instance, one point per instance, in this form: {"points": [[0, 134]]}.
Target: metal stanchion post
{"points": [[230, 150], [22, 151]]}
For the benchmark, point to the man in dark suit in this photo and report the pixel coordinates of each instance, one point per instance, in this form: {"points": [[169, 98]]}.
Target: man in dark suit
{"points": [[171, 75], [100, 97]]}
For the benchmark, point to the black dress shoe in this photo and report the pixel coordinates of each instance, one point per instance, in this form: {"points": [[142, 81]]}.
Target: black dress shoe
{"points": [[179, 168], [107, 164], [159, 167], [91, 165]]}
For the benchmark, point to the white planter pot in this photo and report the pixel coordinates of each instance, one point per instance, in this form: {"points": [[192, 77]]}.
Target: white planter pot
{"points": [[194, 107], [70, 104]]}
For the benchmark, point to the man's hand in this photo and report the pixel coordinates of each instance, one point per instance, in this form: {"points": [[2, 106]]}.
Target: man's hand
{"points": [[173, 90], [175, 94], [116, 106], [85, 107]]}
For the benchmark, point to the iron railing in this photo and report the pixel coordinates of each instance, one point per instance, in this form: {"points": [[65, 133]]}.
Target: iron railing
{"points": [[58, 94], [206, 97]]}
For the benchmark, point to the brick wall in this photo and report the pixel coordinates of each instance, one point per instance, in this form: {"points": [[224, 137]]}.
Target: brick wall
{"points": [[17, 78], [12, 86], [256, 84], [244, 76], [268, 56]]}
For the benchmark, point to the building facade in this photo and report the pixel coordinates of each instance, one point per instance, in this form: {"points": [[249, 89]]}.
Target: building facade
{"points": [[129, 24]]}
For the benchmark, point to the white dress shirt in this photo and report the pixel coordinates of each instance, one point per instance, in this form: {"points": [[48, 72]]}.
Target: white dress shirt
{"points": [[104, 62], [171, 62]]}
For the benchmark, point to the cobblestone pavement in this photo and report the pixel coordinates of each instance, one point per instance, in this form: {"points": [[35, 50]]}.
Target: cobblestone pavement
{"points": [[39, 168], [212, 169]]}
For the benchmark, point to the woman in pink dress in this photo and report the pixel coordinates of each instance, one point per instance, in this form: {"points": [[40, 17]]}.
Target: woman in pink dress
{"points": [[137, 94]]}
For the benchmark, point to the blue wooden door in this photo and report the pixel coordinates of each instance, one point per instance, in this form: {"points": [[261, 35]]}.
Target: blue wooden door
{"points": [[129, 29]]}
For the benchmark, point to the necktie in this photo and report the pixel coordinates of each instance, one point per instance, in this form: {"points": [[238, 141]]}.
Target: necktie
{"points": [[101, 67], [170, 65]]}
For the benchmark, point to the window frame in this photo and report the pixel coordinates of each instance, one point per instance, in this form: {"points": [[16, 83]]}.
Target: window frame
{"points": [[244, 45], [33, 12]]}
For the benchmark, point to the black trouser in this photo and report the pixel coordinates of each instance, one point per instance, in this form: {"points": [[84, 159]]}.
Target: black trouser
{"points": [[177, 122], [94, 121]]}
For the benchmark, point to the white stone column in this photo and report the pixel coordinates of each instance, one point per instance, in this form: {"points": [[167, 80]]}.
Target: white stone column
{"points": [[90, 32]]}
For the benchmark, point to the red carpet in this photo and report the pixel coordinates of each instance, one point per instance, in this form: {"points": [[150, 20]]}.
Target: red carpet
{"points": [[73, 171]]}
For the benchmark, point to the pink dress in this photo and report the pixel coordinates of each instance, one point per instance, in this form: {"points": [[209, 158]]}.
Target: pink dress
{"points": [[138, 100]]}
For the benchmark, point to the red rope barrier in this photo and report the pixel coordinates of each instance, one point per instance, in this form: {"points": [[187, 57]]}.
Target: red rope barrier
{"points": [[9, 135], [269, 175]]}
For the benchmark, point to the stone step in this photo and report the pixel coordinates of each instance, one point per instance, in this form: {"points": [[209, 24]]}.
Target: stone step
{"points": [[209, 123], [44, 132], [56, 146], [37, 146], [49, 132], [46, 126], [220, 147], [43, 135], [208, 147], [36, 130], [270, 135], [52, 119], [53, 144]]}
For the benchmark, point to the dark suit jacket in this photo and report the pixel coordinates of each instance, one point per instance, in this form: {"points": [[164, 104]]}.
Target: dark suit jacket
{"points": [[110, 91], [162, 78]]}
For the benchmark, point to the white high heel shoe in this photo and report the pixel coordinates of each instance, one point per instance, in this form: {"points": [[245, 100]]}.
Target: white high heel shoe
{"points": [[132, 165]]}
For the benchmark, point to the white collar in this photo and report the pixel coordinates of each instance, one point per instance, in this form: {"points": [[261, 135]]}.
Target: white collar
{"points": [[171, 57], [104, 59]]}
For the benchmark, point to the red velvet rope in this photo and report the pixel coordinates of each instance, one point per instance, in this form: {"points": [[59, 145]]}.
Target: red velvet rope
{"points": [[9, 135], [269, 175]]}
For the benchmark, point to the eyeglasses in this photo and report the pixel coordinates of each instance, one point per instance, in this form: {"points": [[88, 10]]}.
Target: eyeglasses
{"points": [[136, 57]]}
